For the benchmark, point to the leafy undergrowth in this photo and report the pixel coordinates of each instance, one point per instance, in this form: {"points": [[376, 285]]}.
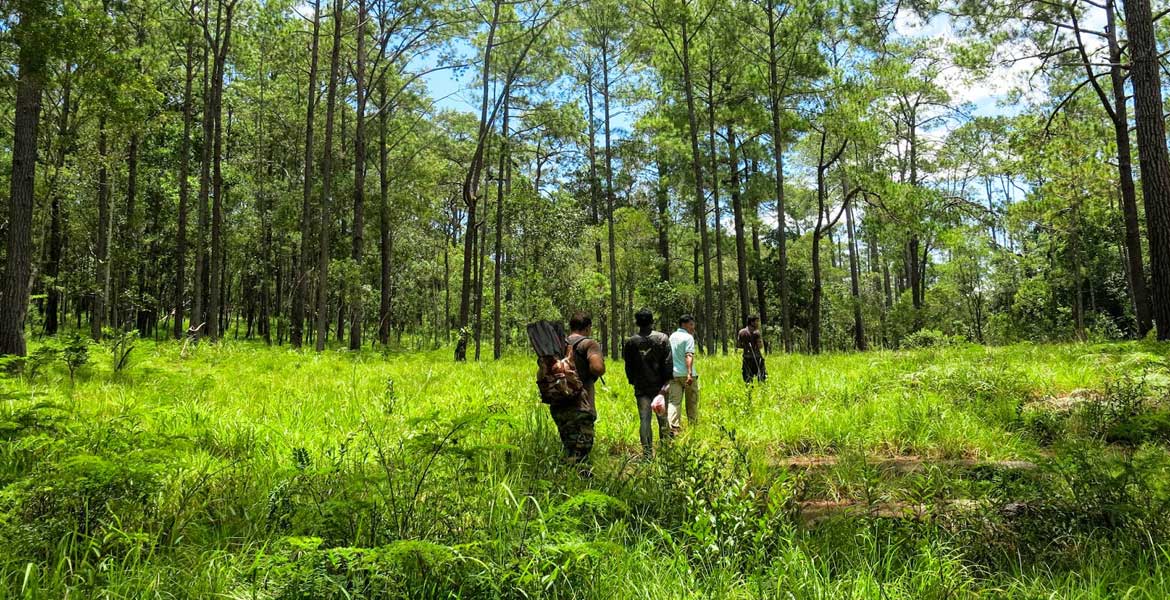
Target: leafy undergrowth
{"points": [[240, 471]]}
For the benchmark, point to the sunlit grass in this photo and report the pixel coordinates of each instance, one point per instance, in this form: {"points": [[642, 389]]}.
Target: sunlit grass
{"points": [[220, 434]]}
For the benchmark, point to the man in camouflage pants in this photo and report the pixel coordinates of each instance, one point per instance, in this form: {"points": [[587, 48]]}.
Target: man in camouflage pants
{"points": [[575, 421]]}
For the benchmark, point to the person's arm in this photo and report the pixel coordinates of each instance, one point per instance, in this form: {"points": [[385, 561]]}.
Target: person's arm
{"points": [[596, 360], [690, 359]]}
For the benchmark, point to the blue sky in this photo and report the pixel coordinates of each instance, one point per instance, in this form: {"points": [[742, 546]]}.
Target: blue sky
{"points": [[986, 95]]}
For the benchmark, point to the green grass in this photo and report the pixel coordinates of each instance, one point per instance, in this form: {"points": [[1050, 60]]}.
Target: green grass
{"points": [[241, 471]]}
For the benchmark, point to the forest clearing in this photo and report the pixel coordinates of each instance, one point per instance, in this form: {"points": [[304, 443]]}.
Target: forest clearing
{"points": [[307, 299], [242, 471]]}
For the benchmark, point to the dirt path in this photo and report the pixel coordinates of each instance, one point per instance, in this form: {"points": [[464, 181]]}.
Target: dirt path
{"points": [[901, 464]]}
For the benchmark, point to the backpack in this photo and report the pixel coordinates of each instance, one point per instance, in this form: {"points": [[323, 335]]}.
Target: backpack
{"points": [[647, 361], [557, 377]]}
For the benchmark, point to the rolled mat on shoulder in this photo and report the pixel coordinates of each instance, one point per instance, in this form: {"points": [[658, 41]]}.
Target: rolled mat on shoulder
{"points": [[547, 338]]}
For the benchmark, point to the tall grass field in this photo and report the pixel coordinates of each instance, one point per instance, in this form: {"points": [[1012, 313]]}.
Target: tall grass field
{"points": [[242, 471]]}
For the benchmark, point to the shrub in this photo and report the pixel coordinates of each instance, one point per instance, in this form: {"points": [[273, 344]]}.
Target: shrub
{"points": [[591, 509], [75, 353], [300, 569], [1124, 413], [81, 496], [930, 338], [41, 358]]}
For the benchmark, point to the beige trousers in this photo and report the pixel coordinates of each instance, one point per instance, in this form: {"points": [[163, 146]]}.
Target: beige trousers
{"points": [[678, 391]]}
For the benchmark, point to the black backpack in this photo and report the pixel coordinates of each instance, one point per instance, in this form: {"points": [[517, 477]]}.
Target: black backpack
{"points": [[649, 363]]}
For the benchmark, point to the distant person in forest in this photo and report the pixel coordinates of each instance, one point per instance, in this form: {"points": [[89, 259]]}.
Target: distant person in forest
{"points": [[575, 420], [751, 342], [649, 370], [685, 384]]}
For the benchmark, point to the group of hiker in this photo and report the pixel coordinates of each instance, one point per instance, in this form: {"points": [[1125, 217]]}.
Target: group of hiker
{"points": [[660, 368]]}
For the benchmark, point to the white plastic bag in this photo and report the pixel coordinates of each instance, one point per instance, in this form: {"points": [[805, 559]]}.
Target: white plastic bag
{"points": [[658, 405]]}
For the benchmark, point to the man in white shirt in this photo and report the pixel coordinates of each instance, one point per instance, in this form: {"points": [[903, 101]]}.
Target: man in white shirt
{"points": [[685, 385]]}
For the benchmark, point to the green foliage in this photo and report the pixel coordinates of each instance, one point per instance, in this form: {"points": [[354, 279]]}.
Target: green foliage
{"points": [[320, 478], [930, 338], [121, 344], [300, 570], [75, 354], [84, 497]]}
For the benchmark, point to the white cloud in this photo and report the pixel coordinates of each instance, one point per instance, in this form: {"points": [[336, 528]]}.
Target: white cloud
{"points": [[1015, 62]]}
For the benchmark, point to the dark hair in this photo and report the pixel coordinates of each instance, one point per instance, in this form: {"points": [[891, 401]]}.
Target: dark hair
{"points": [[683, 320], [752, 319], [644, 318], [580, 321]]}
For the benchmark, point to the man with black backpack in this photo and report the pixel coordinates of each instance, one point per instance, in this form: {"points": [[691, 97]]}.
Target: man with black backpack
{"points": [[649, 369], [576, 416]]}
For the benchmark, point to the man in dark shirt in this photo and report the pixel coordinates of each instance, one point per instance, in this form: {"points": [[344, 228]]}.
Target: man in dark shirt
{"points": [[648, 368], [575, 420], [751, 341]]}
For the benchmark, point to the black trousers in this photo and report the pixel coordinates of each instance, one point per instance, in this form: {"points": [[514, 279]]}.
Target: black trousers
{"points": [[753, 368]]}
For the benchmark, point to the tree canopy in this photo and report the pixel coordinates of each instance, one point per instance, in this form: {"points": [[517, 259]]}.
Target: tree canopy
{"points": [[377, 172]]}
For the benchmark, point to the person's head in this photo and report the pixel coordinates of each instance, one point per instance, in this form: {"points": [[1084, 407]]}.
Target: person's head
{"points": [[644, 318], [687, 322], [753, 321], [581, 323]]}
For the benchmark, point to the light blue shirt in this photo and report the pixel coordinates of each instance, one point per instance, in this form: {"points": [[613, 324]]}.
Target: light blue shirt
{"points": [[682, 344]]}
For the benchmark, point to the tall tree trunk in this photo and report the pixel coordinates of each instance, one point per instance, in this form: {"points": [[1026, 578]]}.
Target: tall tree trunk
{"points": [[359, 177], [264, 203], [775, 107], [499, 258], [327, 181], [614, 334], [859, 341], [384, 220], [218, 260], [128, 238], [180, 289], [594, 209], [128, 229], [471, 187], [1074, 250], [199, 299], [301, 273], [721, 317], [662, 200], [814, 312], [481, 259], [56, 239], [1154, 158], [757, 259], [18, 261], [761, 291], [147, 316], [880, 272], [737, 210], [594, 184], [1139, 292], [452, 231], [915, 270], [697, 172], [102, 252], [823, 226]]}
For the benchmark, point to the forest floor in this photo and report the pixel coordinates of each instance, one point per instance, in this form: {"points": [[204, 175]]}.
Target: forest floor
{"points": [[240, 471]]}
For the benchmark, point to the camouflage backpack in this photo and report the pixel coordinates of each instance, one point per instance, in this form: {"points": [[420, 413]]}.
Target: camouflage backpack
{"points": [[557, 377]]}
